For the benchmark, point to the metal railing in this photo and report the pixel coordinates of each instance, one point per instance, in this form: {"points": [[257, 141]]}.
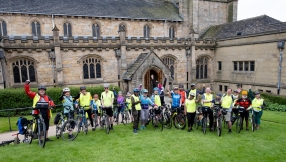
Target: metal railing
{"points": [[20, 109]]}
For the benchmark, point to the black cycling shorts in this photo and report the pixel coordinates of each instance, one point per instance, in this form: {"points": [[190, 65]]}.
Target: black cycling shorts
{"points": [[109, 112]]}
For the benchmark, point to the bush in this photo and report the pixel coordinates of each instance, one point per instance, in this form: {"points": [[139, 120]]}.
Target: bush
{"points": [[17, 98], [275, 107], [281, 100]]}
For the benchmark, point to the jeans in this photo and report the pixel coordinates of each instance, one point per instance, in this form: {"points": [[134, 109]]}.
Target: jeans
{"points": [[144, 115]]}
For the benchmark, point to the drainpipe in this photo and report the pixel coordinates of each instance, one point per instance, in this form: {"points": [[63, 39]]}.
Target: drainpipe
{"points": [[53, 22], [280, 47]]}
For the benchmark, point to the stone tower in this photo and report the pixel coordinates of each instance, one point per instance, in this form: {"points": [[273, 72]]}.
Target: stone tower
{"points": [[201, 14]]}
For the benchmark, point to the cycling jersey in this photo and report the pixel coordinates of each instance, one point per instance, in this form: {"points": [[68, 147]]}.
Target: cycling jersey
{"points": [[183, 96], [145, 102], [107, 98], [68, 102], [95, 104], [176, 98]]}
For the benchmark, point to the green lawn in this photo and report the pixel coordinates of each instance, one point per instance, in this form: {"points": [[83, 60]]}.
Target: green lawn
{"points": [[266, 144]]}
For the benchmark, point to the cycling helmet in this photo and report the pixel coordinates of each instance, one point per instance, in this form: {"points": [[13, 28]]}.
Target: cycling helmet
{"points": [[181, 86], [156, 89], [82, 88], [192, 94], [42, 87], [136, 90], [235, 91], [176, 88], [256, 93], [66, 90], [145, 91], [106, 85], [218, 94], [119, 92], [193, 84]]}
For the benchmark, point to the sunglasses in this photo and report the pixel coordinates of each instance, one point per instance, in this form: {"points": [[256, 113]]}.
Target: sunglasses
{"points": [[106, 88]]}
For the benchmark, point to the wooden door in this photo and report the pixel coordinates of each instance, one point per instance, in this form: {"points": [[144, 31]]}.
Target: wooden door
{"points": [[147, 81], [160, 77]]}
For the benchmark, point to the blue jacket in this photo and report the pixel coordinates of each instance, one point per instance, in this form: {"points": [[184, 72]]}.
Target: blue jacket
{"points": [[145, 102]]}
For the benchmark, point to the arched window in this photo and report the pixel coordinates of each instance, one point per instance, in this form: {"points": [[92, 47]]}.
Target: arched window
{"points": [[170, 62], [3, 28], [36, 28], [146, 31], [95, 30], [67, 30], [171, 32], [202, 68], [122, 27], [23, 70], [91, 68]]}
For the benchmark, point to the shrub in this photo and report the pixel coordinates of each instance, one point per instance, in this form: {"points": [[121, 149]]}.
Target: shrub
{"points": [[16, 98], [281, 100], [275, 107]]}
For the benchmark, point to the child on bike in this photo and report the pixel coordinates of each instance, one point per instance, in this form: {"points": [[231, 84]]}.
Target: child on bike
{"points": [[128, 104], [68, 101], [95, 104], [120, 106]]}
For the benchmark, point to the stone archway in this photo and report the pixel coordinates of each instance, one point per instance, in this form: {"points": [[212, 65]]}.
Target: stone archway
{"points": [[158, 76]]}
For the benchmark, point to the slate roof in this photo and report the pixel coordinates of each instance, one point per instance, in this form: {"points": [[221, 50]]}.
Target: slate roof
{"points": [[134, 66], [133, 9], [256, 25]]}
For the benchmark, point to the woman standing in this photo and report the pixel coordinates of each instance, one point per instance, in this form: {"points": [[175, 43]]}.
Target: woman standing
{"points": [[190, 110], [257, 105]]}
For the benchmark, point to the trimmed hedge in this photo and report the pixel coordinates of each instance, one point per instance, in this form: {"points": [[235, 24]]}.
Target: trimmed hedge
{"points": [[17, 98], [281, 100]]}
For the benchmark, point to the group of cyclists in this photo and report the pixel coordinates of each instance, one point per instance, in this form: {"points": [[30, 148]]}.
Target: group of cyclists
{"points": [[138, 104]]}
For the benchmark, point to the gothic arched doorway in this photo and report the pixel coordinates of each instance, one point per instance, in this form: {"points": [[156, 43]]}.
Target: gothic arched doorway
{"points": [[158, 75]]}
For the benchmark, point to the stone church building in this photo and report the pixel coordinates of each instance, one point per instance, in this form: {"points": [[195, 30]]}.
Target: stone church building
{"points": [[124, 42]]}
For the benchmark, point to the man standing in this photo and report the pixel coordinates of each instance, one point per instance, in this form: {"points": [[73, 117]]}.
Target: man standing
{"points": [[40, 97], [207, 99], [136, 109], [195, 91], [107, 99], [226, 103]]}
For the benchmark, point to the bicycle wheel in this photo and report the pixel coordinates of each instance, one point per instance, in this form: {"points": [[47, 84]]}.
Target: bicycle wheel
{"points": [[160, 122], [204, 125], [168, 121], [125, 118], [41, 133], [219, 126], [69, 130], [85, 126], [180, 122], [153, 121], [224, 122], [107, 123], [252, 123], [238, 124], [28, 136], [59, 127]]}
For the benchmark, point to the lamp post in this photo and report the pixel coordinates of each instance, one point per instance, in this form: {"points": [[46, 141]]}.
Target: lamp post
{"points": [[2, 59], [52, 57], [188, 53], [280, 46]]}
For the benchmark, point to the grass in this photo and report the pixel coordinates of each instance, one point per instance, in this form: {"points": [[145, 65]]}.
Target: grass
{"points": [[266, 144]]}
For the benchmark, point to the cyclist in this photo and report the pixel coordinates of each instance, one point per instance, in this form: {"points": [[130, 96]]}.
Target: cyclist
{"points": [[156, 100], [160, 87], [176, 98], [84, 101], [245, 102], [226, 104], [107, 99], [257, 105], [128, 104], [120, 107], [145, 102], [95, 104], [40, 97], [136, 108], [68, 101], [190, 107], [206, 101], [183, 94], [217, 100], [195, 91]]}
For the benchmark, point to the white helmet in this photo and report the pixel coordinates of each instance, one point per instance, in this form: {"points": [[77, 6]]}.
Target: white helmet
{"points": [[66, 90], [106, 85]]}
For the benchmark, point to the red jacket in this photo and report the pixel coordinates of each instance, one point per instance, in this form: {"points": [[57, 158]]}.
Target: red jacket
{"points": [[243, 102], [33, 94]]}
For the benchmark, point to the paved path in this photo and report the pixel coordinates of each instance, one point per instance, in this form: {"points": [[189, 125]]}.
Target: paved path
{"points": [[52, 131]]}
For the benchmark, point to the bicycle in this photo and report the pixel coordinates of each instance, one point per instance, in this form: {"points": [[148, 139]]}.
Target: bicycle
{"points": [[205, 111], [156, 120], [239, 119], [218, 120], [166, 116], [28, 134], [82, 125], [252, 120], [178, 118], [104, 119], [94, 118], [198, 118], [126, 118]]}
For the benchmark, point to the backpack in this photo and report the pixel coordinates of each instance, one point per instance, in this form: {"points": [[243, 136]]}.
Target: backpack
{"points": [[57, 119], [22, 123]]}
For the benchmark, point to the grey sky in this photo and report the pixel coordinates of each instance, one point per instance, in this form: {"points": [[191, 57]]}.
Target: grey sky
{"points": [[253, 8]]}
